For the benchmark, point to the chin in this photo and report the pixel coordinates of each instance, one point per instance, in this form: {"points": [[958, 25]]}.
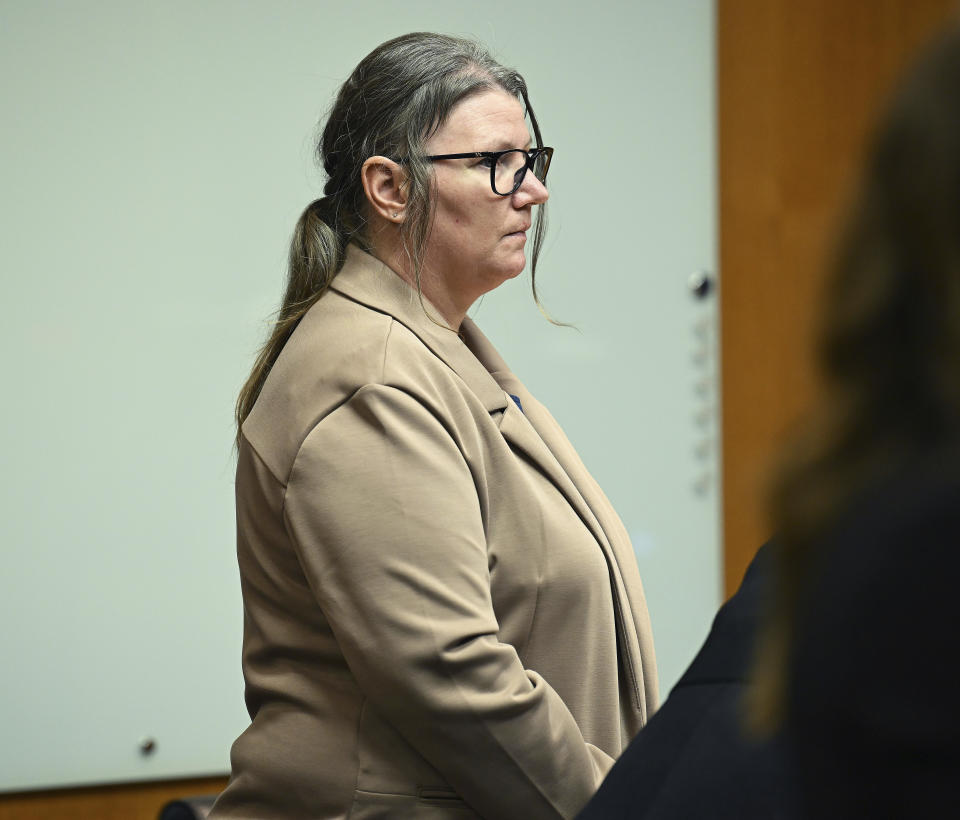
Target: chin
{"points": [[514, 267], [509, 273], [494, 278], [507, 269]]}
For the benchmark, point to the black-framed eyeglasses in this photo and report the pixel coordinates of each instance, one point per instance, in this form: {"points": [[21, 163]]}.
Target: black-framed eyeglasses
{"points": [[508, 168]]}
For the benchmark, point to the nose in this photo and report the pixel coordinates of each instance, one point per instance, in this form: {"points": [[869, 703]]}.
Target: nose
{"points": [[531, 192]]}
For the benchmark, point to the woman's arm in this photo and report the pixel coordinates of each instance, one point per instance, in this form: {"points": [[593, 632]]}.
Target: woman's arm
{"points": [[386, 516]]}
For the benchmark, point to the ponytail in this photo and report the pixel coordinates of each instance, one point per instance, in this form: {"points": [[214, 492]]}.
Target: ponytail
{"points": [[317, 252]]}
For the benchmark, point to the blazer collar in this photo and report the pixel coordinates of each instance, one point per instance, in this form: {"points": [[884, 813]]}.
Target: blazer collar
{"points": [[535, 432], [367, 280]]}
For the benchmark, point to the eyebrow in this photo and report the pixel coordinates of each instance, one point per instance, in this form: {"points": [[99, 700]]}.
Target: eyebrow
{"points": [[505, 145]]}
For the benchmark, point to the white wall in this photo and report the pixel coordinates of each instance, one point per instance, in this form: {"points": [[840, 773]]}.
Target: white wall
{"points": [[155, 156]]}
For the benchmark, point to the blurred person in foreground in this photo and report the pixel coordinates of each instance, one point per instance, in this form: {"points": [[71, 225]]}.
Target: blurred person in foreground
{"points": [[857, 660]]}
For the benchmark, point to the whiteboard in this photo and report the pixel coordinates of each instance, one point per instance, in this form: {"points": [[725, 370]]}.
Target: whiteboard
{"points": [[155, 158]]}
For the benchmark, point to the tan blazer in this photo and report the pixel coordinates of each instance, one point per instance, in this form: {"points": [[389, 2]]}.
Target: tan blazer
{"points": [[443, 614]]}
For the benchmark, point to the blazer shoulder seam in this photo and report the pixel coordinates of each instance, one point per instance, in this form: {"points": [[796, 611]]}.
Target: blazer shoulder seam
{"points": [[263, 461]]}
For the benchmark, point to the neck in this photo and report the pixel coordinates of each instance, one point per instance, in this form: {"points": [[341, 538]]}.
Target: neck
{"points": [[387, 246]]}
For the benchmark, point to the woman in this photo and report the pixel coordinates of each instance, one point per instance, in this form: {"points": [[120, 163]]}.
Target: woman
{"points": [[858, 658], [443, 615]]}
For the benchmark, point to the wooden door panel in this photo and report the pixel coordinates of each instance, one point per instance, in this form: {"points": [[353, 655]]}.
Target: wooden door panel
{"points": [[799, 85]]}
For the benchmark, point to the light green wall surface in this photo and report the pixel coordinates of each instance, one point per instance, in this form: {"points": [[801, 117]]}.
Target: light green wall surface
{"points": [[155, 156]]}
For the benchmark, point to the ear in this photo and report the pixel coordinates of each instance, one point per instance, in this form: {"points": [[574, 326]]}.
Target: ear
{"points": [[384, 183]]}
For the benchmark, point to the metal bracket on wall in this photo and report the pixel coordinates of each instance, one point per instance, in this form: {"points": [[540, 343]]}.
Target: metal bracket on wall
{"points": [[701, 285]]}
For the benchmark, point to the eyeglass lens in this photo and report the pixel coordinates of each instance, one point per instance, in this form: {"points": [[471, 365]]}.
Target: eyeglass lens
{"points": [[511, 167]]}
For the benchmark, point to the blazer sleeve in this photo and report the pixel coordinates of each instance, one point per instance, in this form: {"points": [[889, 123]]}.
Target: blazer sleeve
{"points": [[385, 514]]}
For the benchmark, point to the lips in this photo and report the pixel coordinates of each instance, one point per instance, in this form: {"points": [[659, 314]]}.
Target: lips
{"points": [[521, 230]]}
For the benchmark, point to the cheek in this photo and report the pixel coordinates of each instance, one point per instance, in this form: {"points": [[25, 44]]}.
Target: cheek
{"points": [[451, 212]]}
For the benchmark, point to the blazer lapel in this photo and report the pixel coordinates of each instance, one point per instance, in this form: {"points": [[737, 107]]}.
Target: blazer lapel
{"points": [[536, 433]]}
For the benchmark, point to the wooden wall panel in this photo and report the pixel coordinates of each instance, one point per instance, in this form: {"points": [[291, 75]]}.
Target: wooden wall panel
{"points": [[799, 85], [134, 801]]}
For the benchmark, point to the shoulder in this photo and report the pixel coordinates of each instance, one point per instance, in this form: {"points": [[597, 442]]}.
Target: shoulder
{"points": [[902, 529], [878, 616], [918, 503], [341, 348]]}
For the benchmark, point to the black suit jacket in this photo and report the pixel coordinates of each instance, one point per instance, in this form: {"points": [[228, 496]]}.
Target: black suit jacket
{"points": [[692, 760], [873, 708]]}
